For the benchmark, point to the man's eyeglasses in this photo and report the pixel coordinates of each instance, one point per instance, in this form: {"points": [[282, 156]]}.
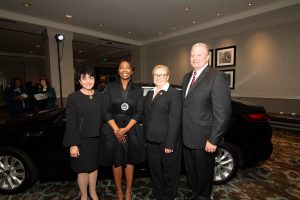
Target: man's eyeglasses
{"points": [[159, 75]]}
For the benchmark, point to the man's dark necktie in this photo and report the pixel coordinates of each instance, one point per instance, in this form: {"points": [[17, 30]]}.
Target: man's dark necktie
{"points": [[193, 79]]}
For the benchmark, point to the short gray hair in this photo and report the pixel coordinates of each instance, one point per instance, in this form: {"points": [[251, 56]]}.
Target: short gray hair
{"points": [[200, 45]]}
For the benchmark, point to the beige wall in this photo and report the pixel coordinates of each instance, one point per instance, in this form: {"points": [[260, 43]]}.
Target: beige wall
{"points": [[267, 59]]}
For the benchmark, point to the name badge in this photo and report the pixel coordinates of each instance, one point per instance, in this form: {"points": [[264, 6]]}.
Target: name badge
{"points": [[124, 106]]}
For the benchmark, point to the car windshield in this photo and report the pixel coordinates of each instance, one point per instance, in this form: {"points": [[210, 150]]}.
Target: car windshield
{"points": [[246, 102], [46, 114]]}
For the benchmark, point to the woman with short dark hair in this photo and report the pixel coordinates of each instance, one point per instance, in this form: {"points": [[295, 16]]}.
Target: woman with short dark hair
{"points": [[83, 122]]}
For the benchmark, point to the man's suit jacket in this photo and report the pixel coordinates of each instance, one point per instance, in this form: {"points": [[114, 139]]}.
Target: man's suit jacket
{"points": [[163, 117], [206, 108]]}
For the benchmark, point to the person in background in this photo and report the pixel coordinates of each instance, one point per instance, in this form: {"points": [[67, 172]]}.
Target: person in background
{"points": [[17, 99], [162, 128], [49, 101], [206, 114], [83, 124], [122, 142]]}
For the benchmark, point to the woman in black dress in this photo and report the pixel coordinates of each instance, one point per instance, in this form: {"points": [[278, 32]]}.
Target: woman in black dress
{"points": [[83, 117], [121, 140]]}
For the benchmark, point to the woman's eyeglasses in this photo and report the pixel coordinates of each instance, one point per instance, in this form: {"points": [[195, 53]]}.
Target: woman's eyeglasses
{"points": [[159, 75]]}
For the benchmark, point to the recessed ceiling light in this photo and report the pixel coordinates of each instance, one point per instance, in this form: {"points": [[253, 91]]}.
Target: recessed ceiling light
{"points": [[37, 46], [194, 22], [100, 25], [69, 16], [129, 32], [187, 8], [249, 4], [218, 14], [27, 4]]}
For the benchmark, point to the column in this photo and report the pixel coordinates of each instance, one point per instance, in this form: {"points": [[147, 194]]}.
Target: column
{"points": [[138, 60]]}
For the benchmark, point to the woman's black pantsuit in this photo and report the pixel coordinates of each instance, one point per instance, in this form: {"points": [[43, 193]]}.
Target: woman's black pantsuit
{"points": [[162, 129]]}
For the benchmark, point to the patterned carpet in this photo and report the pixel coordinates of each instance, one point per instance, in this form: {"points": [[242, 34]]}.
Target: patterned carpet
{"points": [[276, 179]]}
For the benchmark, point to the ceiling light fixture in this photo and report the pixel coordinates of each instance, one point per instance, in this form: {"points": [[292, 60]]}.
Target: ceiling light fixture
{"points": [[249, 4], [100, 25], [218, 14], [27, 4], [187, 8], [69, 16], [174, 28], [79, 51], [194, 22]]}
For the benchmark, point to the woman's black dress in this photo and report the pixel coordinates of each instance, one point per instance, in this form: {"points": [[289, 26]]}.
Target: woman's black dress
{"points": [[83, 122], [122, 106]]}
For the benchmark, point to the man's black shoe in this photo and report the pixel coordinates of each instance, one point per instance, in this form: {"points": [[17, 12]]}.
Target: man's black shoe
{"points": [[189, 196]]}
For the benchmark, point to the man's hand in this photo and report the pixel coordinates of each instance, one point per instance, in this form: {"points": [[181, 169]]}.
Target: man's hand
{"points": [[210, 148]]}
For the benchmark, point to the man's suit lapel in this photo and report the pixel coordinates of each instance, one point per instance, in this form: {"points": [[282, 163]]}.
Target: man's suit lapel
{"points": [[198, 81], [185, 83]]}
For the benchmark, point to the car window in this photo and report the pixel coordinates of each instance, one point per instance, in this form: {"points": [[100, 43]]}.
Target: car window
{"points": [[146, 89]]}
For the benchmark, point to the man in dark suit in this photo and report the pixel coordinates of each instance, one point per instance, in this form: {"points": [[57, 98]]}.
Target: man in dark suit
{"points": [[162, 126], [206, 113]]}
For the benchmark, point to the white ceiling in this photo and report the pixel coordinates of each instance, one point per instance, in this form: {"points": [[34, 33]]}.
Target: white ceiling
{"points": [[145, 19]]}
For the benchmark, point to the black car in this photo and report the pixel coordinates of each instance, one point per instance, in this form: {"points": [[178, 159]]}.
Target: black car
{"points": [[31, 148]]}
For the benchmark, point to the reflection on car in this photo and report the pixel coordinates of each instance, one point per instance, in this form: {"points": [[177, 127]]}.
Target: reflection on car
{"points": [[31, 147]]}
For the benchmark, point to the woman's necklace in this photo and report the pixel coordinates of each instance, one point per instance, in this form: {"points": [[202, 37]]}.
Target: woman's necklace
{"points": [[90, 93]]}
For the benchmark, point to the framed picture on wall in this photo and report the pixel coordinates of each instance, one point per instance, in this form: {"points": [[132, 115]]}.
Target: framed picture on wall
{"points": [[230, 74], [211, 58], [225, 57]]}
